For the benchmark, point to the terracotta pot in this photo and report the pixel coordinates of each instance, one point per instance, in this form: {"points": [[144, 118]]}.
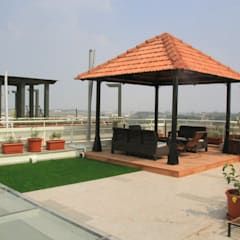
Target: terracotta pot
{"points": [[34, 144], [215, 140], [11, 148], [55, 144], [233, 202]]}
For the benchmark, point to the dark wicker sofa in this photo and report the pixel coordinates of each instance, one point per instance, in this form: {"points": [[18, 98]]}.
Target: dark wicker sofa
{"points": [[137, 142]]}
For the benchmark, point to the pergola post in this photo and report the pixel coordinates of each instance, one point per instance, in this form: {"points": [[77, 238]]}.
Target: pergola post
{"points": [[20, 110], [31, 100], [173, 154], [156, 110], [36, 102], [120, 100], [0, 100], [228, 115], [46, 100], [97, 147], [15, 102]]}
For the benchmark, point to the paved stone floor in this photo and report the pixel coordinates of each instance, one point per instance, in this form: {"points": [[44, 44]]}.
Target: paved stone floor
{"points": [[146, 206]]}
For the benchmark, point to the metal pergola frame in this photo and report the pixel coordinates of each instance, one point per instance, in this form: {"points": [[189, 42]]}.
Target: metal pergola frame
{"points": [[20, 83]]}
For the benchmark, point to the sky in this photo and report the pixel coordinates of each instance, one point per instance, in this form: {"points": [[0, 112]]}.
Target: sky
{"points": [[51, 39]]}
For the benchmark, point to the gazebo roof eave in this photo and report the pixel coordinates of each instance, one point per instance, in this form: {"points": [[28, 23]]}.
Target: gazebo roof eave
{"points": [[165, 78]]}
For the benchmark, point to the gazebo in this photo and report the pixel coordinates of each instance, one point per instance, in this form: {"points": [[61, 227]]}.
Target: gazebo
{"points": [[162, 61]]}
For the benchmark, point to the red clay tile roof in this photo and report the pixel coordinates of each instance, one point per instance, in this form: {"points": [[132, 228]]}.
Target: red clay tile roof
{"points": [[163, 52]]}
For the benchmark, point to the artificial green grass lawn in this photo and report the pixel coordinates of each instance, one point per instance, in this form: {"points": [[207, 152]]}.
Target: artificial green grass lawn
{"points": [[28, 177]]}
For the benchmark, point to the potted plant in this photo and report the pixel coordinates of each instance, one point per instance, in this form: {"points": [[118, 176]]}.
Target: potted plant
{"points": [[215, 137], [233, 194], [12, 146], [34, 143], [55, 143]]}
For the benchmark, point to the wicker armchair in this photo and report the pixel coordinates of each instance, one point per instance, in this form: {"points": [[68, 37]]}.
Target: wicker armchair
{"points": [[187, 136], [196, 142]]}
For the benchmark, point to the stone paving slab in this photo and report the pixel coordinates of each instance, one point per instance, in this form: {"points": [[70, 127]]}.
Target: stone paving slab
{"points": [[146, 206]]}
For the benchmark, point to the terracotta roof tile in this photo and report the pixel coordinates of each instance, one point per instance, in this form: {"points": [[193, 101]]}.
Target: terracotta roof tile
{"points": [[163, 52]]}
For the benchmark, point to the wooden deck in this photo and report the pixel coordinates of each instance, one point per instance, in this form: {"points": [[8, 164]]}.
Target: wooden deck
{"points": [[189, 163]]}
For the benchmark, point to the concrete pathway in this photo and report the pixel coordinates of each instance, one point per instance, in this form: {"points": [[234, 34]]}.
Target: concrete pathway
{"points": [[146, 206]]}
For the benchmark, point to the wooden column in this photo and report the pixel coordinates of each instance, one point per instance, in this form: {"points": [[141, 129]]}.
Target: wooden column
{"points": [[173, 154], [97, 147], [156, 110], [228, 115]]}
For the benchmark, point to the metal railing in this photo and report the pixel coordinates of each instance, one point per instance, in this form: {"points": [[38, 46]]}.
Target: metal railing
{"points": [[75, 129]]}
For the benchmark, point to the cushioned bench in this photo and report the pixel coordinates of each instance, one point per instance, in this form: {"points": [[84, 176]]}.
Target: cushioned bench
{"points": [[137, 142]]}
